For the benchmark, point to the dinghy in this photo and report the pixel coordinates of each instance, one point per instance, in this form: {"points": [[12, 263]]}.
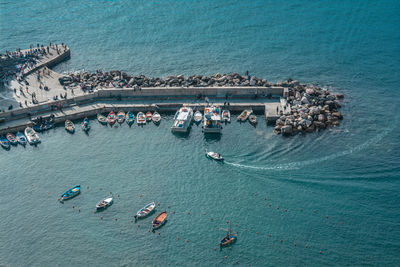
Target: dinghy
{"points": [[159, 220], [13, 140], [69, 126], [141, 118], [111, 118], [214, 156], [102, 119], [130, 118], [253, 119], [149, 116], [121, 117], [32, 136], [105, 203], [21, 138], [198, 117], [226, 115], [244, 115], [146, 210], [156, 117], [70, 193], [85, 125], [4, 142]]}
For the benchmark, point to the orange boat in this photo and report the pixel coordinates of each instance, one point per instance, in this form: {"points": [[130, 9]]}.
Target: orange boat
{"points": [[160, 220]]}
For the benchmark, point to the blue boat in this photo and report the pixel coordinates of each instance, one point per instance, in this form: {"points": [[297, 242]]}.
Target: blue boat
{"points": [[21, 138], [86, 125], [230, 237], [73, 192], [4, 142]]}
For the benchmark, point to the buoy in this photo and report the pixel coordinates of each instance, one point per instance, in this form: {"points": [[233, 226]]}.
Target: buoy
{"points": [[265, 198], [281, 240], [58, 199], [187, 241], [236, 225], [174, 212], [237, 262], [101, 217], [294, 243], [285, 210], [179, 238], [116, 219], [131, 221], [269, 235], [255, 194], [79, 210], [341, 222], [226, 257], [188, 212], [320, 252], [169, 207], [48, 193], [215, 249], [212, 219], [306, 246], [257, 233], [277, 207], [87, 187], [270, 205], [301, 209], [315, 211], [118, 195], [158, 204], [159, 233], [327, 217], [138, 225], [110, 193], [100, 188], [73, 207], [204, 213]]}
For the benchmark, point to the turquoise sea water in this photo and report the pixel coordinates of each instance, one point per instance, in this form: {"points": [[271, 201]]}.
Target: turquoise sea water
{"points": [[350, 174]]}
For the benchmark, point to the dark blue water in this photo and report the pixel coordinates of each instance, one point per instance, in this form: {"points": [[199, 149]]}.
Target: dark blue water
{"points": [[335, 191]]}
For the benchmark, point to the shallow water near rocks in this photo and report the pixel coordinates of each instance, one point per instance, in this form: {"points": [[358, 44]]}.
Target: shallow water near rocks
{"points": [[335, 191]]}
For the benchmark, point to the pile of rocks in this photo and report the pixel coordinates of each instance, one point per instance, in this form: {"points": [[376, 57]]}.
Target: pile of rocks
{"points": [[120, 79], [311, 109]]}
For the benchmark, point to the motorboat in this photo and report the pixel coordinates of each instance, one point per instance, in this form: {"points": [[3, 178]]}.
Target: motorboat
{"points": [[198, 117], [149, 116], [111, 118], [244, 115], [156, 117], [226, 115], [85, 125], [253, 119], [13, 140], [105, 203], [159, 220], [146, 210], [141, 118], [31, 136], [182, 120], [212, 120], [70, 193], [69, 126], [21, 138], [230, 237], [214, 156], [130, 118], [4, 142], [102, 119], [121, 117]]}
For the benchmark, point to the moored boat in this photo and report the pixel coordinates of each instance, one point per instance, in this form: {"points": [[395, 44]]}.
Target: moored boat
{"points": [[21, 138], [149, 116], [121, 116], [4, 142], [31, 136], [111, 118], [226, 115], [70, 193], [214, 156], [141, 118], [146, 210], [253, 119], [182, 120], [130, 118], [69, 126], [244, 115], [229, 239], [102, 119], [212, 120], [13, 140], [105, 203], [159, 220], [156, 117], [197, 117], [85, 125]]}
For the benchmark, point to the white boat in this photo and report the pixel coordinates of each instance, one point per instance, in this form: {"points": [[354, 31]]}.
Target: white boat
{"points": [[212, 120], [226, 115], [156, 117], [214, 155], [31, 136], [105, 203], [146, 210], [244, 115], [141, 118], [198, 116], [182, 120]]}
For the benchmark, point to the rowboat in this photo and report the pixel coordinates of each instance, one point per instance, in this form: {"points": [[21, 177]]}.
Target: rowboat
{"points": [[69, 126], [230, 237], [156, 117], [105, 203], [21, 138], [244, 115], [13, 140], [111, 118], [198, 117], [149, 116], [130, 118], [141, 118], [159, 220], [253, 119], [31, 136], [146, 210], [4, 142], [102, 119], [214, 156], [70, 193], [121, 117], [85, 125], [226, 115]]}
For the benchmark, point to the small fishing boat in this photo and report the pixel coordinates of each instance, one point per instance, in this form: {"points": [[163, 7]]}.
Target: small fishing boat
{"points": [[105, 203], [31, 136], [156, 117], [21, 138], [102, 119], [149, 116], [13, 140], [111, 118], [70, 193], [226, 115], [214, 156], [85, 125], [198, 117], [69, 126], [4, 142], [159, 220], [130, 118], [230, 237], [141, 118], [121, 117], [182, 120], [146, 210], [244, 115], [253, 119]]}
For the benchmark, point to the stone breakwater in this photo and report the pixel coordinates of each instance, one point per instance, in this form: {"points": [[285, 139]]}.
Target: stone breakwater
{"points": [[311, 109]]}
